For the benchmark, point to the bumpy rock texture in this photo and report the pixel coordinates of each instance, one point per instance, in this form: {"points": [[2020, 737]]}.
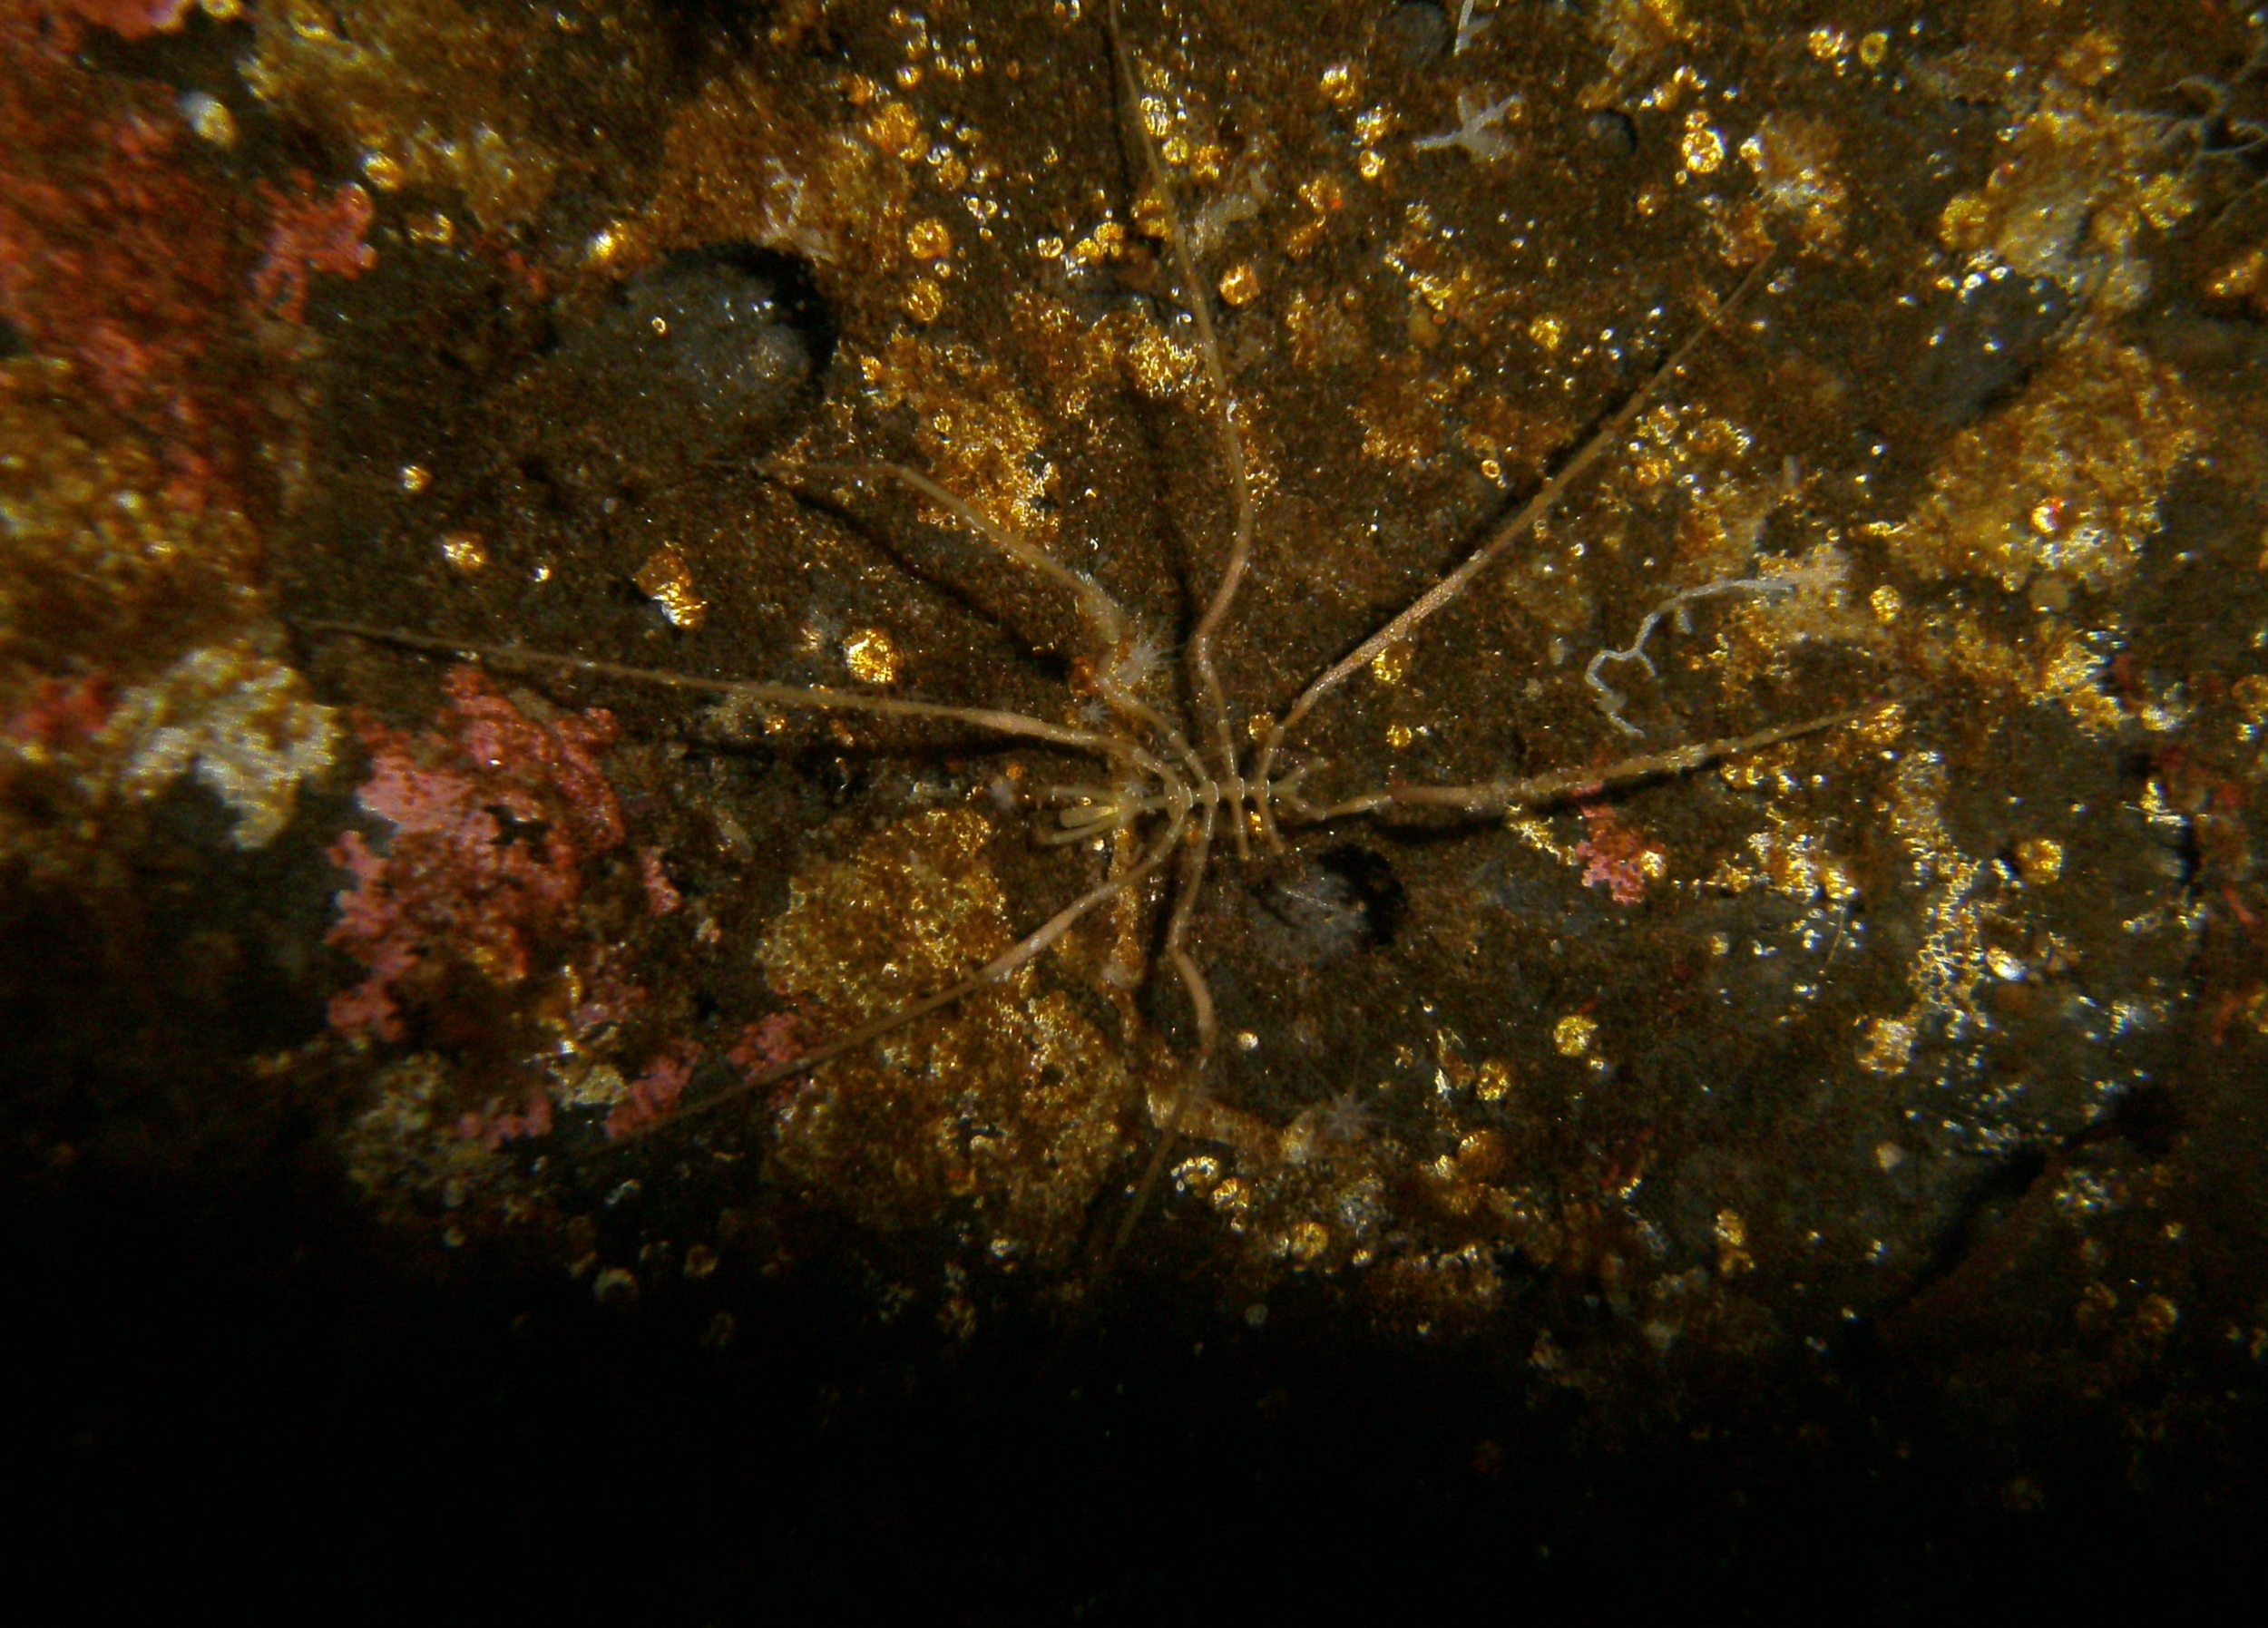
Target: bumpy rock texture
{"points": [[1745, 1104]]}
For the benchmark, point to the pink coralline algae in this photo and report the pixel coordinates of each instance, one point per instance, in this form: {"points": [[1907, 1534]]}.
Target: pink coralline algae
{"points": [[495, 816], [770, 1042], [309, 234], [653, 1094], [766, 1049], [1615, 856], [121, 249], [492, 1130], [116, 249]]}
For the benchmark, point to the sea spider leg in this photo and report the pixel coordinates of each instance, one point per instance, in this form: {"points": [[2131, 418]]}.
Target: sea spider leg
{"points": [[1093, 809], [1105, 618], [997, 970], [1195, 858], [1176, 801], [1518, 524], [1112, 628], [1112, 625], [1205, 679], [1231, 788], [755, 692], [1502, 796]]}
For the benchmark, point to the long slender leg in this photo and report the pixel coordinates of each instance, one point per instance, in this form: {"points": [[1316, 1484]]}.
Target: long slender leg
{"points": [[1515, 526], [1106, 618], [818, 698], [1194, 859], [996, 970], [1500, 796], [1203, 676]]}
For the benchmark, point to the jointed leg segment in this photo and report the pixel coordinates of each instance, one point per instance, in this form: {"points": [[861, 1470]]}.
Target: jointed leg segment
{"points": [[1513, 527]]}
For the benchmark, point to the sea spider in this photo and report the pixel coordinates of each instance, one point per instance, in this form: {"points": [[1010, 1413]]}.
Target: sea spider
{"points": [[1186, 772]]}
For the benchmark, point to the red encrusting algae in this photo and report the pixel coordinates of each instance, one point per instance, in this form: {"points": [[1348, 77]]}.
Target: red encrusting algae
{"points": [[495, 816], [309, 234], [1614, 855], [768, 1042], [654, 1094], [492, 1130], [122, 250], [116, 251]]}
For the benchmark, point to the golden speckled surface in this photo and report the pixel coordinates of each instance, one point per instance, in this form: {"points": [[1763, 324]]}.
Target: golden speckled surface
{"points": [[1941, 453], [1004, 1106], [1871, 1033]]}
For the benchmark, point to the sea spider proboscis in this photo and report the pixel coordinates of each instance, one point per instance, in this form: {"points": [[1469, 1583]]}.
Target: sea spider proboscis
{"points": [[1196, 757]]}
